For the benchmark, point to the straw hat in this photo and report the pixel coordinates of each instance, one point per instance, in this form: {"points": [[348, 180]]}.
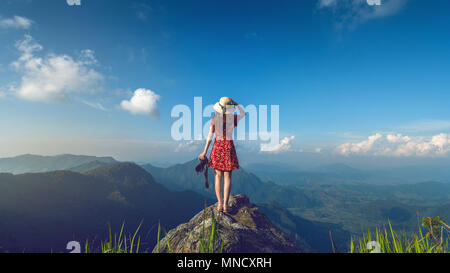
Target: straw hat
{"points": [[226, 105]]}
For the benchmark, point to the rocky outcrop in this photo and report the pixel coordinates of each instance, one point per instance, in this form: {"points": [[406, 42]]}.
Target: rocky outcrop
{"points": [[244, 229]]}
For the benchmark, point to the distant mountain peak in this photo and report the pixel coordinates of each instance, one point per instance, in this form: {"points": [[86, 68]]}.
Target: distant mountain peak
{"points": [[89, 166], [125, 173], [29, 163]]}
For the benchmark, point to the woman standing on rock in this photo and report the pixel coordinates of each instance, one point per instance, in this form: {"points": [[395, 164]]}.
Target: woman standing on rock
{"points": [[223, 157]]}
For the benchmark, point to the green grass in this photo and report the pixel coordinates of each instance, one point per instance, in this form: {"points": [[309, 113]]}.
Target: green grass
{"points": [[210, 244], [131, 243], [118, 243], [435, 239], [386, 240]]}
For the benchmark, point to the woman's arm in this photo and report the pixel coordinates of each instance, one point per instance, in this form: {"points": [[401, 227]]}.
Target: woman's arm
{"points": [[208, 142], [241, 110]]}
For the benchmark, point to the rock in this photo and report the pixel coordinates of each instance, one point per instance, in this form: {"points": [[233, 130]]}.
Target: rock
{"points": [[244, 229]]}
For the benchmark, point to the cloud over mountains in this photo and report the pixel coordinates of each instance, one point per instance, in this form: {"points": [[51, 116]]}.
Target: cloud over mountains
{"points": [[283, 146], [398, 145]]}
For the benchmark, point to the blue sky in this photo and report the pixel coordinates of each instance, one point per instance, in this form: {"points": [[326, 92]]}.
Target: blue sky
{"points": [[341, 71]]}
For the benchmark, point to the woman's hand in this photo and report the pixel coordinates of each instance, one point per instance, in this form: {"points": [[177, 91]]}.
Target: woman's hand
{"points": [[202, 156]]}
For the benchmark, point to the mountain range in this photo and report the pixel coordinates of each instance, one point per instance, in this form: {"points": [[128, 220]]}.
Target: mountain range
{"points": [[183, 176], [41, 212], [340, 173], [81, 194], [101, 191], [326, 201], [36, 163]]}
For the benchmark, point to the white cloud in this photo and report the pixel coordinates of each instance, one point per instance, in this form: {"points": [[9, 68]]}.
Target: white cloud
{"points": [[326, 3], [398, 146], [95, 105], [397, 138], [189, 146], [143, 102], [87, 57], [283, 146], [2, 95], [350, 13], [52, 78], [16, 22], [143, 10]]}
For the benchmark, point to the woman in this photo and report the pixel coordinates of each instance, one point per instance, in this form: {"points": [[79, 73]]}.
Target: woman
{"points": [[223, 157]]}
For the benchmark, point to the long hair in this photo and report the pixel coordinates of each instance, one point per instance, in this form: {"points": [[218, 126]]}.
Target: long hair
{"points": [[221, 116], [224, 117]]}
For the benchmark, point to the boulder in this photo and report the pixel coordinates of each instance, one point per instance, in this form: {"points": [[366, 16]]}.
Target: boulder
{"points": [[243, 229]]}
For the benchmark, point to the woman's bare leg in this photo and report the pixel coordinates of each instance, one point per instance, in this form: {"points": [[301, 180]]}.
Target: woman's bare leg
{"points": [[227, 189], [218, 186]]}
